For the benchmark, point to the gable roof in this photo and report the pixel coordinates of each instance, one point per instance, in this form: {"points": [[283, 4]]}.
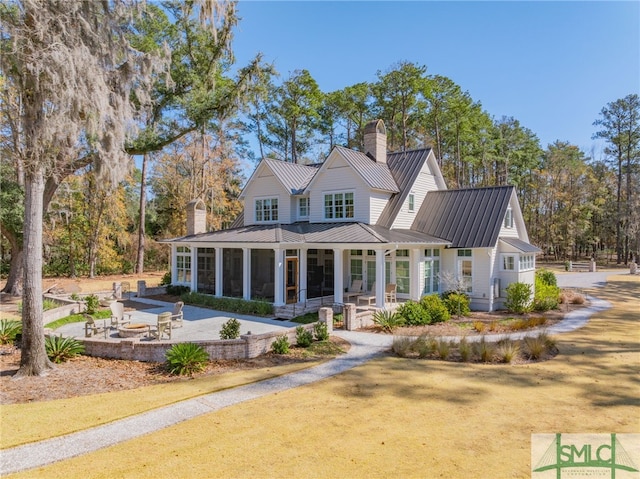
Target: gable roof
{"points": [[293, 177], [469, 218], [405, 166], [375, 175]]}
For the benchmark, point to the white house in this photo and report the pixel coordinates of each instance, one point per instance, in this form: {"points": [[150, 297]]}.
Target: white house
{"points": [[373, 218]]}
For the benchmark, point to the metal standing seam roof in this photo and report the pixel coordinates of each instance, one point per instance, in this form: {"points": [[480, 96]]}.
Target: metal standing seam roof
{"points": [[520, 245], [376, 175], [469, 218], [293, 176], [303, 232], [405, 166]]}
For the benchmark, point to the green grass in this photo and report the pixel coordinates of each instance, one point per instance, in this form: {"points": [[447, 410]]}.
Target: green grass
{"points": [[77, 318], [306, 318]]}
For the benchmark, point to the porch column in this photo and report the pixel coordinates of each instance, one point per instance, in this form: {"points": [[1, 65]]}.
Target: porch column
{"points": [[338, 276], [303, 276], [174, 263], [218, 272], [246, 274], [194, 269], [278, 278], [380, 278], [414, 275]]}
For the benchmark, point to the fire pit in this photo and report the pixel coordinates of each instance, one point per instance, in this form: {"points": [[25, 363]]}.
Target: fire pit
{"points": [[135, 330]]}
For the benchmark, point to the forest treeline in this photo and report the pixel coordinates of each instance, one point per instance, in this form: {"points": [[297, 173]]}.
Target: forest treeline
{"points": [[211, 120]]}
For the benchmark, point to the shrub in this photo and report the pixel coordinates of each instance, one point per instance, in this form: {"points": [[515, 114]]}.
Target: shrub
{"points": [[402, 345], [535, 346], [48, 303], [186, 358], [8, 330], [464, 348], [166, 279], [425, 345], [177, 289], [479, 326], [485, 350], [230, 329], [320, 331], [232, 305], [281, 345], [304, 338], [547, 277], [458, 304], [546, 296], [414, 314], [388, 320], [508, 350], [60, 349], [578, 299], [518, 298], [92, 303], [443, 348], [435, 308]]}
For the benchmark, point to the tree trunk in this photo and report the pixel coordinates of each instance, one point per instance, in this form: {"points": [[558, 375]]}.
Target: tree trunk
{"points": [[14, 280], [141, 226], [33, 359]]}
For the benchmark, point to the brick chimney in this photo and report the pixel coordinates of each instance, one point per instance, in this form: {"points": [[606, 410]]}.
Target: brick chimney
{"points": [[375, 140], [196, 217]]}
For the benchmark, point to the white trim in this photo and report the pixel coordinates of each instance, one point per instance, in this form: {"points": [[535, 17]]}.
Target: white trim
{"points": [[324, 194]]}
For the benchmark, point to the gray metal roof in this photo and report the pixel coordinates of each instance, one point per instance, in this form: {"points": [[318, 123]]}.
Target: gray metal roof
{"points": [[376, 175], [293, 176], [303, 232], [469, 218], [520, 245], [239, 221], [405, 166]]}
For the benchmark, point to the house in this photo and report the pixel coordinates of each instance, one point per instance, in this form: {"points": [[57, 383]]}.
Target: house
{"points": [[371, 218]]}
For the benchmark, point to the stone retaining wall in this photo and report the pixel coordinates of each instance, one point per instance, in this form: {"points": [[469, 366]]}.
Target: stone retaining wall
{"points": [[246, 347], [356, 320]]}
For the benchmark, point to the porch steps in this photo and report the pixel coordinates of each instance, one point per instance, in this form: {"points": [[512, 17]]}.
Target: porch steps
{"points": [[290, 311]]}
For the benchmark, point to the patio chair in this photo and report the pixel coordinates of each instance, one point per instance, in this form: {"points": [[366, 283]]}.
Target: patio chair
{"points": [[390, 293], [176, 315], [354, 291], [91, 328], [118, 315], [369, 297], [162, 328]]}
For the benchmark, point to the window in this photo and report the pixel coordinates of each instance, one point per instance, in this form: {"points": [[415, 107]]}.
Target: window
{"points": [[183, 264], [402, 276], [338, 206], [508, 263], [267, 209], [412, 202], [402, 252], [431, 271], [303, 207], [356, 269], [508, 218], [527, 262], [465, 269]]}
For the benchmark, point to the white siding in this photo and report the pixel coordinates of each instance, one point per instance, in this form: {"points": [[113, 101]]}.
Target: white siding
{"points": [[377, 202], [266, 185], [424, 183], [513, 231], [339, 177]]}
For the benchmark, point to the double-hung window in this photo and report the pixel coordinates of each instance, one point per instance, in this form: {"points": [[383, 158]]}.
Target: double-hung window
{"points": [[183, 264], [508, 263], [267, 209], [508, 218], [303, 207], [338, 206]]}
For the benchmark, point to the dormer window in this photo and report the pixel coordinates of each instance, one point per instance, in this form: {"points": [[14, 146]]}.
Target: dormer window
{"points": [[338, 206], [508, 218], [266, 210], [412, 202], [303, 207]]}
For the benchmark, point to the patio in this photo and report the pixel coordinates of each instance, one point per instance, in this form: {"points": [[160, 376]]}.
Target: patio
{"points": [[199, 323]]}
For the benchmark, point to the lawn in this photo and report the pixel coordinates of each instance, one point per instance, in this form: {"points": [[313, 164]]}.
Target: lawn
{"points": [[398, 417]]}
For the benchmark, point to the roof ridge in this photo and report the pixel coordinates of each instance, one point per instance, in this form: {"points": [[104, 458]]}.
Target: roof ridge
{"points": [[372, 231]]}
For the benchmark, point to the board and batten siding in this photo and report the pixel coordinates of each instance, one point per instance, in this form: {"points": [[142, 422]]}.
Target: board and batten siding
{"points": [[339, 177], [424, 183], [266, 185]]}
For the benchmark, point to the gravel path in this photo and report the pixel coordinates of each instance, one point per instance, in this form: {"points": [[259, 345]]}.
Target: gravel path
{"points": [[364, 347]]}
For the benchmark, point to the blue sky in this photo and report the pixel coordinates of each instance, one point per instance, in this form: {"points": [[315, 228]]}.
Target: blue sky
{"points": [[551, 65]]}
